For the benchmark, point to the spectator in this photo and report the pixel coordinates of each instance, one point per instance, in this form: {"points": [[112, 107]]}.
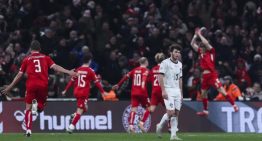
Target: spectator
{"points": [[231, 89], [255, 70], [257, 92]]}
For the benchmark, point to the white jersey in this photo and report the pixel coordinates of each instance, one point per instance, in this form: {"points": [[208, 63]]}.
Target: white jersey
{"points": [[172, 73]]}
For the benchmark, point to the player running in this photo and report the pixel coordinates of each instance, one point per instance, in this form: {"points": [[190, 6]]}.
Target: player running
{"points": [[139, 93], [170, 81], [82, 89], [36, 67], [209, 74], [156, 95]]}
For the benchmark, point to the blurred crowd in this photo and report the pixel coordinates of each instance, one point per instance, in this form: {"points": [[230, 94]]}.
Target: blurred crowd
{"points": [[119, 32]]}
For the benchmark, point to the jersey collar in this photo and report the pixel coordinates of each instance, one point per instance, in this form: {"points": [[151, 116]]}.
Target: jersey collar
{"points": [[175, 62]]}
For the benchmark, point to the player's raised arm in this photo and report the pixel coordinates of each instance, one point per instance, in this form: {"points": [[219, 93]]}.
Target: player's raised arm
{"points": [[193, 41], [15, 80], [203, 39]]}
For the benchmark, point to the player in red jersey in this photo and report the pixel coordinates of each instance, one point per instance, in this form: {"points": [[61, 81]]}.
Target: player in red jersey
{"points": [[139, 93], [82, 89], [156, 95], [209, 74], [36, 67]]}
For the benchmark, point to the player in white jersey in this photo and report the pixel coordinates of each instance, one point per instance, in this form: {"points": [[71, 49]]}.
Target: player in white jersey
{"points": [[170, 81]]}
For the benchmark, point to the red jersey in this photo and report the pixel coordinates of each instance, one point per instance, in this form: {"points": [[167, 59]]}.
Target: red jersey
{"points": [[139, 75], [153, 79], [207, 60], [82, 82], [36, 66]]}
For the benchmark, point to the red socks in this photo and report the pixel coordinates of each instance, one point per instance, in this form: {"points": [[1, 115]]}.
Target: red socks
{"points": [[145, 116], [230, 99], [75, 119], [132, 118], [205, 101], [28, 119]]}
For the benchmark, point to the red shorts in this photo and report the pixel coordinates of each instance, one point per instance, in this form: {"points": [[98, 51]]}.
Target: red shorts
{"points": [[82, 103], [210, 79], [38, 93], [157, 98], [137, 99]]}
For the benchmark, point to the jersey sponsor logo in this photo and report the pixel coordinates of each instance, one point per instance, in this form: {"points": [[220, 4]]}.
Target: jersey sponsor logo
{"points": [[1, 123], [20, 116], [138, 116]]}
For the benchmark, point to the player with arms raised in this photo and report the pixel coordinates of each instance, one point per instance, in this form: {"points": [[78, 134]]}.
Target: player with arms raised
{"points": [[36, 67], [139, 93], [82, 89], [170, 81], [209, 74]]}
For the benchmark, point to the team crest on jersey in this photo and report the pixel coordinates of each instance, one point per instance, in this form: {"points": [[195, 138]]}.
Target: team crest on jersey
{"points": [[138, 116]]}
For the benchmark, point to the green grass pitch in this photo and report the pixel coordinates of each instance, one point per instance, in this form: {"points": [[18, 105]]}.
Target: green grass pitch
{"points": [[130, 137]]}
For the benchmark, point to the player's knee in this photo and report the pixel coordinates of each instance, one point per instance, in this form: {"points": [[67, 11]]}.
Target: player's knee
{"points": [[170, 113]]}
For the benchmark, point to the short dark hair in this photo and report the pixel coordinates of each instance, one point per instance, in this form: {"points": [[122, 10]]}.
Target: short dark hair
{"points": [[35, 45], [174, 46], [87, 57], [142, 60]]}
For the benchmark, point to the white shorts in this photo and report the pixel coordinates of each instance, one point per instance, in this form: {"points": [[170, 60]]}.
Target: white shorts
{"points": [[174, 99]]}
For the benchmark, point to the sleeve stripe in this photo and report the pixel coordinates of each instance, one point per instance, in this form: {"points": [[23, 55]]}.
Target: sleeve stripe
{"points": [[52, 65]]}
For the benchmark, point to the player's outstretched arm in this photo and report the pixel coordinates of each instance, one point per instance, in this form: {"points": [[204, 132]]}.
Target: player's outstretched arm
{"points": [[10, 86], [119, 84], [193, 42], [203, 39], [63, 70], [100, 88]]}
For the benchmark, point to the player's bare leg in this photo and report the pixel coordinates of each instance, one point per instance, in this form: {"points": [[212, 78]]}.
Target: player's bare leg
{"points": [[229, 98], [160, 125], [28, 119], [131, 120], [205, 104], [34, 106], [144, 118], [77, 116], [174, 125]]}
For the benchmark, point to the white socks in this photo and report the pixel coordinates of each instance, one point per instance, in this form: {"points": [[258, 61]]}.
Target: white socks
{"points": [[71, 127], [173, 122], [163, 120]]}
